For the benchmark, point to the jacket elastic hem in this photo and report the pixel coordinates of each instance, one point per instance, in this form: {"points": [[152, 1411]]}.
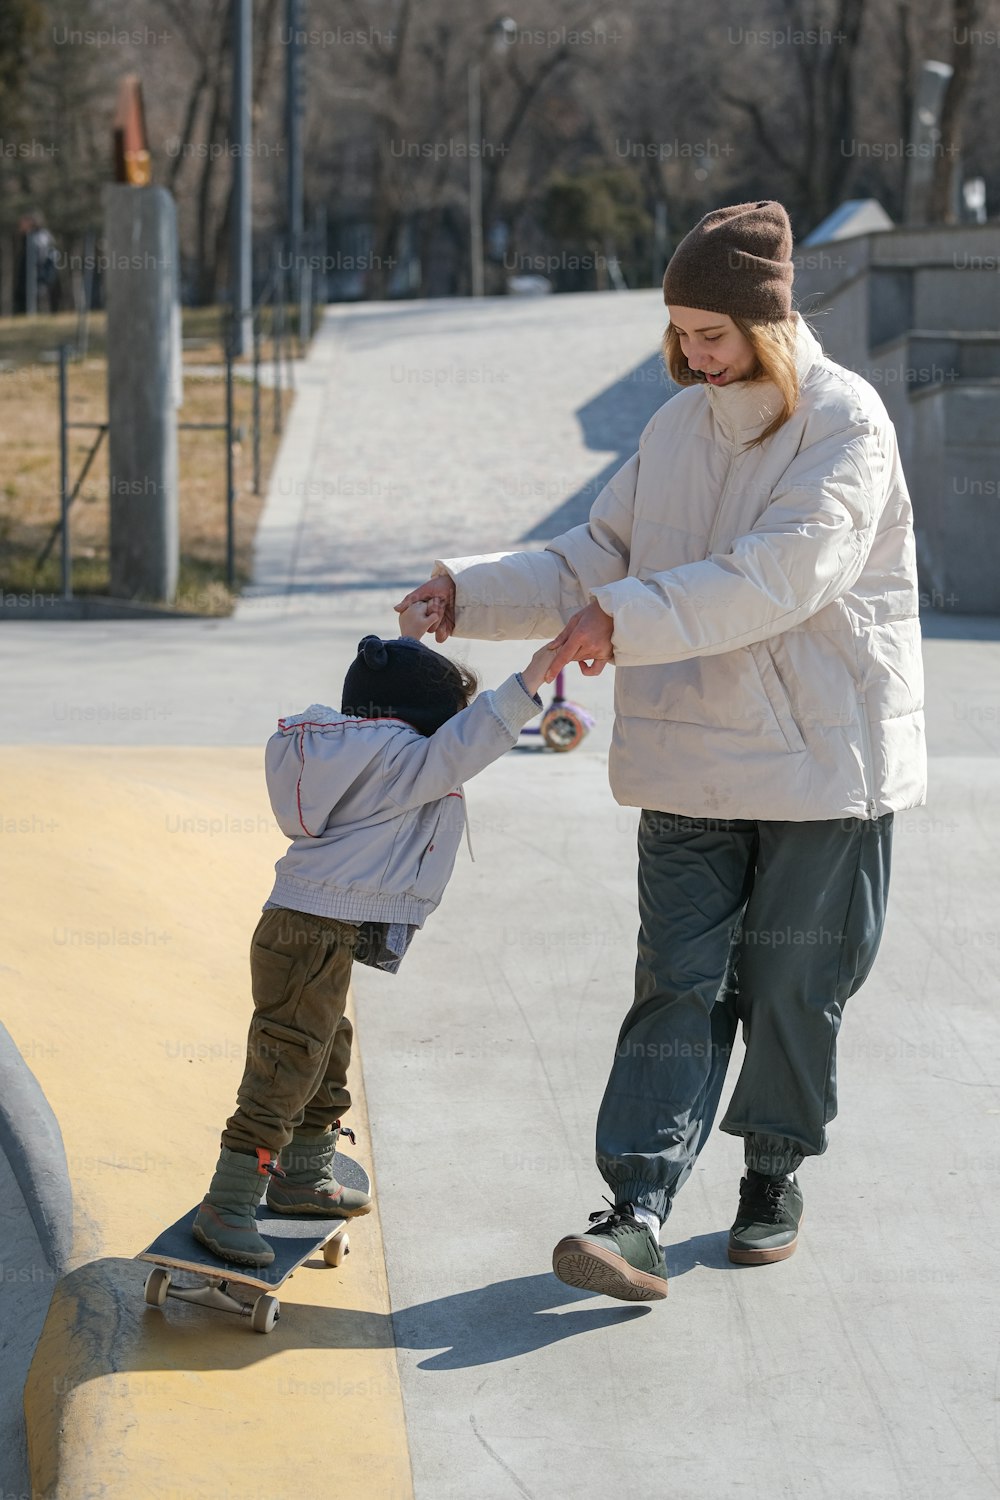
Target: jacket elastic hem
{"points": [[350, 905]]}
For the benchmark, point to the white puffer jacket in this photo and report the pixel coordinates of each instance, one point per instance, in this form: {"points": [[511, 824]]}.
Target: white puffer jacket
{"points": [[766, 631]]}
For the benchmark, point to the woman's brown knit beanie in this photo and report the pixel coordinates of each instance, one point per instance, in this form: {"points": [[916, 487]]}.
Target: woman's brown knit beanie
{"points": [[737, 261]]}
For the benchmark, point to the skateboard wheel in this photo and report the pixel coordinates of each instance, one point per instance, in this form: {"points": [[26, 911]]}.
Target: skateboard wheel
{"points": [[334, 1250], [265, 1313], [562, 728], [157, 1285]]}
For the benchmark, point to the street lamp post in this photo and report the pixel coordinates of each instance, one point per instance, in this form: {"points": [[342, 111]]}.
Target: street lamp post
{"points": [[501, 34], [475, 181], [241, 331], [293, 135]]}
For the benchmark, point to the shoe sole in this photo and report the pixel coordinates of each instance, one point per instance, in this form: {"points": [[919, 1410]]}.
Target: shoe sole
{"points": [[308, 1211], [741, 1257], [231, 1257], [579, 1262]]}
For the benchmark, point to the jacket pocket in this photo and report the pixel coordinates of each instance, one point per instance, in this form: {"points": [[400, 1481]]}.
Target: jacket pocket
{"points": [[438, 858], [777, 696]]}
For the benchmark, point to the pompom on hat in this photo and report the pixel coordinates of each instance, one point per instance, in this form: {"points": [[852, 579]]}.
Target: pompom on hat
{"points": [[737, 261]]}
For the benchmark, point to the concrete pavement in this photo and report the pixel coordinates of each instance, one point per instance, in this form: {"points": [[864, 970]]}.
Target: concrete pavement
{"points": [[865, 1366]]}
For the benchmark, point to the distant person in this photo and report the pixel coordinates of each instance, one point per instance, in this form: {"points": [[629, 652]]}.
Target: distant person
{"points": [[39, 254], [371, 797], [750, 572], [47, 269]]}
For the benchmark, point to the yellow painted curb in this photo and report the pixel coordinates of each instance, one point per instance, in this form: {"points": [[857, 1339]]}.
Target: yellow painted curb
{"points": [[140, 877]]}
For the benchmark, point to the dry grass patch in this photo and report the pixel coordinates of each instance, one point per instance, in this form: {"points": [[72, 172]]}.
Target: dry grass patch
{"points": [[29, 480]]}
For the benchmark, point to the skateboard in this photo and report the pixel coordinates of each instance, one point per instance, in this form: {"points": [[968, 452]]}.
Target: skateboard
{"points": [[247, 1291]]}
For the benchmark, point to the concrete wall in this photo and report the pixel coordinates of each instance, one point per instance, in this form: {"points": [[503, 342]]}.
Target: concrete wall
{"points": [[917, 313], [955, 479]]}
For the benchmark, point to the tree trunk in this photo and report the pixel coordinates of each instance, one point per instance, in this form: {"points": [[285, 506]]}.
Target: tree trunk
{"points": [[528, 91], [940, 205], [906, 97], [840, 106], [206, 272], [194, 99]]}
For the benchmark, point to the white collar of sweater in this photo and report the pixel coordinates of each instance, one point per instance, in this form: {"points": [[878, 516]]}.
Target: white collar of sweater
{"points": [[748, 405]]}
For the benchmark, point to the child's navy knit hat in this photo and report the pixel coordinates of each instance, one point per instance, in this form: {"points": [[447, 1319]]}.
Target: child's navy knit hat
{"points": [[403, 679]]}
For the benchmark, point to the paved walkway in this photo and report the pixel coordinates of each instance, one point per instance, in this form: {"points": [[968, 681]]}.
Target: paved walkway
{"points": [[867, 1365]]}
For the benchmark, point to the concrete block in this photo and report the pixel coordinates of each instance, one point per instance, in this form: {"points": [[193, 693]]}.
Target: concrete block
{"points": [[972, 418], [948, 297], [980, 359], [954, 479], [840, 322], [890, 304]]}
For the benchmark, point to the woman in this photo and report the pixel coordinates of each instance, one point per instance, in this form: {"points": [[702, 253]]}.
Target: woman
{"points": [[751, 573]]}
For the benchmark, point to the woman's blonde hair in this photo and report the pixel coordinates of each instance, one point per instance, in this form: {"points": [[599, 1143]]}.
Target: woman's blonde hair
{"points": [[774, 347]]}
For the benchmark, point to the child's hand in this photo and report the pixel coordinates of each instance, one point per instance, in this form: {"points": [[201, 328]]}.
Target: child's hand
{"points": [[417, 619], [534, 673], [439, 593]]}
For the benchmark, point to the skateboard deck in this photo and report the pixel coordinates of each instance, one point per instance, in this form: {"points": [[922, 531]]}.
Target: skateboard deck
{"points": [[293, 1241]]}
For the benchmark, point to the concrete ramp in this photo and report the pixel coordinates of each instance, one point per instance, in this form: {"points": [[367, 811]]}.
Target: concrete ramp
{"points": [[139, 882]]}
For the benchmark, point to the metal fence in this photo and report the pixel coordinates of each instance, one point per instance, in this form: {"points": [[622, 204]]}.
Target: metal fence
{"points": [[270, 325]]}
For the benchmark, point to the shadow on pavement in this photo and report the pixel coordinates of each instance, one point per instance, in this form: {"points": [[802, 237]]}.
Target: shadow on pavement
{"points": [[99, 1316], [99, 1327], [707, 1250], [613, 420], [505, 1320]]}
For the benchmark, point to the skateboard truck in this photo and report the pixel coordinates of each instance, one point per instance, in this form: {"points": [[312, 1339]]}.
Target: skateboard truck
{"points": [[263, 1312], [214, 1291]]}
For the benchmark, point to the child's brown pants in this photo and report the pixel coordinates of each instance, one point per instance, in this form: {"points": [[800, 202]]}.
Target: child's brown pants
{"points": [[299, 1045]]}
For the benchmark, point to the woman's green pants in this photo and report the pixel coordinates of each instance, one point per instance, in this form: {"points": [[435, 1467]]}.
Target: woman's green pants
{"points": [[765, 924]]}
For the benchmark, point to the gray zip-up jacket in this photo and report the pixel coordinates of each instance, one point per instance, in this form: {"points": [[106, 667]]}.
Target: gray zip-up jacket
{"points": [[374, 809]]}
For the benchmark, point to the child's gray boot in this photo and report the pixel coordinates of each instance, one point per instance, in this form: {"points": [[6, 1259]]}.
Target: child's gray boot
{"points": [[226, 1222], [308, 1187]]}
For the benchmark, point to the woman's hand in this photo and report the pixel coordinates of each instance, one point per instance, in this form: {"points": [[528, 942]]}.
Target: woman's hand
{"points": [[439, 596], [585, 638]]}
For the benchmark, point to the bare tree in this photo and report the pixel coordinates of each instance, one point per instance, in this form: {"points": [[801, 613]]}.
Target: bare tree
{"points": [[964, 16], [588, 86], [810, 143]]}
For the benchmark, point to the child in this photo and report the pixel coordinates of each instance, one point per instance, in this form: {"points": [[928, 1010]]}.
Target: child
{"points": [[370, 798]]}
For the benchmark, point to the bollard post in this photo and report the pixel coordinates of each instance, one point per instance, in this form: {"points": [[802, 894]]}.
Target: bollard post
{"points": [[256, 404], [67, 579], [230, 481], [279, 318], [305, 308]]}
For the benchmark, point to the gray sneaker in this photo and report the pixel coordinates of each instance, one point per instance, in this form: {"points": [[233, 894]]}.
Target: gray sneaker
{"points": [[768, 1219], [618, 1257]]}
